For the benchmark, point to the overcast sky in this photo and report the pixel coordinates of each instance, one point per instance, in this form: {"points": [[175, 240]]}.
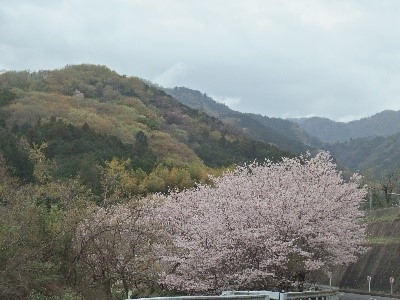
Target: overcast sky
{"points": [[335, 59]]}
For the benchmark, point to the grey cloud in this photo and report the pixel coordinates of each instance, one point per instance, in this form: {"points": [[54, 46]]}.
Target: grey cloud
{"points": [[280, 58]]}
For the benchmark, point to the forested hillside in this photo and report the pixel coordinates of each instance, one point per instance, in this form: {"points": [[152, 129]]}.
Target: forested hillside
{"points": [[89, 114], [369, 145], [283, 133], [381, 124], [377, 157]]}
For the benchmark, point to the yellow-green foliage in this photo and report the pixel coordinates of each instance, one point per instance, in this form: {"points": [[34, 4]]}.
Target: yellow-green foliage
{"points": [[165, 146], [96, 98], [123, 119]]}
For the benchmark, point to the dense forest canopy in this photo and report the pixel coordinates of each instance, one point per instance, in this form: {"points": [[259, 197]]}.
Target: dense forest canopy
{"points": [[88, 114]]}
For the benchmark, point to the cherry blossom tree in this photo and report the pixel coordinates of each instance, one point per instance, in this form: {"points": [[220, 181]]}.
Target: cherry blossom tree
{"points": [[263, 225]]}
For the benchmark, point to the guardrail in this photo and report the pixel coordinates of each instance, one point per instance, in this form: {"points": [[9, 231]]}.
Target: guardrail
{"points": [[324, 294], [317, 295], [222, 297]]}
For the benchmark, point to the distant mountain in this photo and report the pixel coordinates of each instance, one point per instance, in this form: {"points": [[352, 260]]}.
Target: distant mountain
{"points": [[288, 129], [378, 156], [381, 124], [285, 134]]}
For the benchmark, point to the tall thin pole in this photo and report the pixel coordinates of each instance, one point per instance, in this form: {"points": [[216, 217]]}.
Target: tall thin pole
{"points": [[391, 280], [369, 278]]}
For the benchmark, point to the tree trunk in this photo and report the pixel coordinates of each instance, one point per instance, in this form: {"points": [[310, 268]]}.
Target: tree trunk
{"points": [[107, 289], [126, 287]]}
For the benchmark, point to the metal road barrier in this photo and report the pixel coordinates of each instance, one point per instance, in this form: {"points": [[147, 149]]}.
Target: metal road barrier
{"points": [[314, 295], [325, 293], [222, 297]]}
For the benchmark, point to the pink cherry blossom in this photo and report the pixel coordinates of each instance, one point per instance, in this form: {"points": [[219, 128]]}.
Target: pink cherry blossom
{"points": [[260, 224]]}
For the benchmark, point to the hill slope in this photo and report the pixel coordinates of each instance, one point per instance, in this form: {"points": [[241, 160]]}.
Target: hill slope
{"points": [[381, 124], [379, 155], [285, 134], [77, 107]]}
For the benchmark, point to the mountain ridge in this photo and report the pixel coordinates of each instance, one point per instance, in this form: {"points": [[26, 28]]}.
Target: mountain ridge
{"points": [[379, 155], [384, 123], [356, 146], [283, 133]]}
